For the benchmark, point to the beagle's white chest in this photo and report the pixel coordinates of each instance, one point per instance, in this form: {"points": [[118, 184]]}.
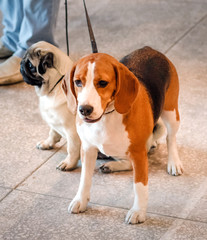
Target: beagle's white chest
{"points": [[108, 135]]}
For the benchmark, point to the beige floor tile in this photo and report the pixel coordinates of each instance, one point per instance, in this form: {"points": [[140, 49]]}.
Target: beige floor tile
{"points": [[32, 216], [21, 128], [37, 209]]}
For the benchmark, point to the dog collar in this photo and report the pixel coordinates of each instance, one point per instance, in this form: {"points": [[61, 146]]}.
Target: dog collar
{"points": [[56, 84], [110, 108], [110, 111]]}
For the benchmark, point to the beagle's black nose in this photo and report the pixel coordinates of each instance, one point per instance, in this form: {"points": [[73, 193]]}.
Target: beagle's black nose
{"points": [[86, 110]]}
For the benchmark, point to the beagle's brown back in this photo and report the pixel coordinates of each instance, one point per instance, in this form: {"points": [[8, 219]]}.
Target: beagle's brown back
{"points": [[153, 71]]}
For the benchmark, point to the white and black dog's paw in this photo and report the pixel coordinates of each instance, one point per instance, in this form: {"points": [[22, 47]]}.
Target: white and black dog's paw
{"points": [[67, 164], [44, 145]]}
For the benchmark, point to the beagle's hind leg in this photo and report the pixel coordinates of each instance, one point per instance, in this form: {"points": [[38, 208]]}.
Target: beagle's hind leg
{"points": [[171, 121], [116, 166], [158, 132]]}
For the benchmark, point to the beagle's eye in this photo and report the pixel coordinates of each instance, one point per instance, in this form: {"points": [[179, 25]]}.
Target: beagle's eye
{"points": [[78, 83], [102, 84]]}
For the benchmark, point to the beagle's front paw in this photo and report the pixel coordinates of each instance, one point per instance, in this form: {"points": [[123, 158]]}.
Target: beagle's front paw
{"points": [[133, 216], [78, 205]]}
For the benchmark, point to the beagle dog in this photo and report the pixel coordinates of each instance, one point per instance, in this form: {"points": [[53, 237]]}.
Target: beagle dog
{"points": [[118, 105]]}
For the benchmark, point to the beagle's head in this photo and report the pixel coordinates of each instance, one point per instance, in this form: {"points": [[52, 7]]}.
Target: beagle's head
{"points": [[94, 82]]}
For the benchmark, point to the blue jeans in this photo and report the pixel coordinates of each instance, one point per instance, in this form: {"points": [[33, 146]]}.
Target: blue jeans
{"points": [[27, 22]]}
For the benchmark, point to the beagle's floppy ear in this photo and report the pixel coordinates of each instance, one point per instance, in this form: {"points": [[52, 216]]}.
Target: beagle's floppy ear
{"points": [[69, 90], [127, 88]]}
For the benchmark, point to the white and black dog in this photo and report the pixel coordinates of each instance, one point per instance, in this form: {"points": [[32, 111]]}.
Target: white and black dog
{"points": [[44, 66]]}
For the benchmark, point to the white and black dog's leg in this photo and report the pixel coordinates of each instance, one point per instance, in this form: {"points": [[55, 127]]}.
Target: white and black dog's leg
{"points": [[88, 158], [49, 143], [174, 164], [73, 149]]}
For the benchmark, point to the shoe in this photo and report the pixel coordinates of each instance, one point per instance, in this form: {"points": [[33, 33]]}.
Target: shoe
{"points": [[10, 71], [4, 51]]}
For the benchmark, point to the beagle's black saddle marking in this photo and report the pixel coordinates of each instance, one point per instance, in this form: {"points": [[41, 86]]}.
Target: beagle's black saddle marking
{"points": [[153, 70]]}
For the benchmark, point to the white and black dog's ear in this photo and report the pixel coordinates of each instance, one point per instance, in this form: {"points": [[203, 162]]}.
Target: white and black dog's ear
{"points": [[69, 91], [46, 61]]}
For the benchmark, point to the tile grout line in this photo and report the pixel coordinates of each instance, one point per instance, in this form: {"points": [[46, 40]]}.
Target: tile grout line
{"points": [[185, 33], [186, 211], [6, 195], [30, 174], [114, 207]]}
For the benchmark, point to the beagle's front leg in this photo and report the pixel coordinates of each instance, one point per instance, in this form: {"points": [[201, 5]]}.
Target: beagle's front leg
{"points": [[137, 214], [88, 159]]}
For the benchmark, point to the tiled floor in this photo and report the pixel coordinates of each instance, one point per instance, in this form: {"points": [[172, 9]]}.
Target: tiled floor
{"points": [[34, 196]]}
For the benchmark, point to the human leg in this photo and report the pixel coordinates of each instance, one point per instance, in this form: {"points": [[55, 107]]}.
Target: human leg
{"points": [[12, 18], [38, 23], [38, 19]]}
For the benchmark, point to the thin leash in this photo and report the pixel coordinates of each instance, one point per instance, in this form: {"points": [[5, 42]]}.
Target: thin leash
{"points": [[57, 83], [66, 26], [67, 42], [90, 30], [91, 35]]}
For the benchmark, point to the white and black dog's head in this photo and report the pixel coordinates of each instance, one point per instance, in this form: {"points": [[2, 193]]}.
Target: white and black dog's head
{"points": [[34, 65], [43, 65]]}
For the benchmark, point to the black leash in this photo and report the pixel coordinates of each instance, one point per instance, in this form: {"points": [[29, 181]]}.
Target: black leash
{"points": [[56, 83], [66, 25], [90, 30]]}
